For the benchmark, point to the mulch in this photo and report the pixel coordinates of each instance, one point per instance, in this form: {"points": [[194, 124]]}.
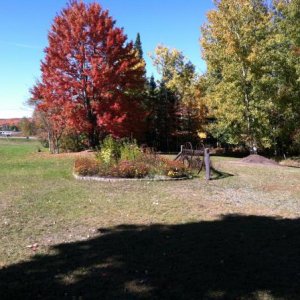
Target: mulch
{"points": [[258, 159]]}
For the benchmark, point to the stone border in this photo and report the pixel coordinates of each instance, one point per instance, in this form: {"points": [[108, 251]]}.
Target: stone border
{"points": [[111, 179]]}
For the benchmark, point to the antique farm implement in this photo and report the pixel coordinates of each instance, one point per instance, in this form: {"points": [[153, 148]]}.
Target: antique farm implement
{"points": [[195, 158]]}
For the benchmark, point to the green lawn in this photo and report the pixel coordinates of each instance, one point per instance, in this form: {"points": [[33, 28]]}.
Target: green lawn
{"points": [[233, 238]]}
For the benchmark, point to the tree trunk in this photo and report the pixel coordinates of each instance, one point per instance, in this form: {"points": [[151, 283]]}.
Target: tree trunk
{"points": [[93, 138]]}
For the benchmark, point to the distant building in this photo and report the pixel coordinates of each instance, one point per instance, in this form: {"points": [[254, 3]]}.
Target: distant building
{"points": [[6, 133]]}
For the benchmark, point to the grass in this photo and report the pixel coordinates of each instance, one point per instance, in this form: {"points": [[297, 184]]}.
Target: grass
{"points": [[291, 162], [232, 238]]}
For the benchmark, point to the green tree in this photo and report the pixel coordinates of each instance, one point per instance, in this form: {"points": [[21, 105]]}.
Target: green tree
{"points": [[27, 127], [287, 70], [178, 75], [138, 46], [151, 106], [291, 12], [161, 116], [252, 75], [232, 43], [166, 119]]}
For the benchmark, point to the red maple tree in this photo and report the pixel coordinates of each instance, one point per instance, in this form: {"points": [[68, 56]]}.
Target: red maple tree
{"points": [[91, 75]]}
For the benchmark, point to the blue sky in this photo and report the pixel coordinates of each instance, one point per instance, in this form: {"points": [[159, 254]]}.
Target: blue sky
{"points": [[24, 26]]}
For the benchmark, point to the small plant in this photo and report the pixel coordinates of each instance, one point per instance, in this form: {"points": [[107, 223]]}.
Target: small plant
{"points": [[174, 169], [86, 166], [131, 169], [130, 151], [110, 151]]}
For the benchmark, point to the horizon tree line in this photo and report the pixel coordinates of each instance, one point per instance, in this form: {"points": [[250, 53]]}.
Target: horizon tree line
{"points": [[94, 81]]}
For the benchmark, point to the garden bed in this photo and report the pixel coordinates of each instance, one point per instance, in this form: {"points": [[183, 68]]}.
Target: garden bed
{"points": [[116, 179], [124, 160]]}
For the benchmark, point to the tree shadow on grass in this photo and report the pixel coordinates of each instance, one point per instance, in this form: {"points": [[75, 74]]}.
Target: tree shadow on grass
{"points": [[236, 257]]}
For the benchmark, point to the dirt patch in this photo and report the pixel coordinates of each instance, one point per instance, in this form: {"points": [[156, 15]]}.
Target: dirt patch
{"points": [[258, 159], [87, 153]]}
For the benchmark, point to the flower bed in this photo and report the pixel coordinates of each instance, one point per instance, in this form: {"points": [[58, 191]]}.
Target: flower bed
{"points": [[124, 159]]}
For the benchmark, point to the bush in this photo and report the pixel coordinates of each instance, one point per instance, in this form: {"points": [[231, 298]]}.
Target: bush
{"points": [[130, 151], [44, 142], [131, 169], [43, 138], [86, 166], [73, 142], [110, 151], [174, 169]]}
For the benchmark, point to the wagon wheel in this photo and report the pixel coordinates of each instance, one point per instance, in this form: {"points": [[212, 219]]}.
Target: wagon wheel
{"points": [[200, 163], [200, 146], [188, 146]]}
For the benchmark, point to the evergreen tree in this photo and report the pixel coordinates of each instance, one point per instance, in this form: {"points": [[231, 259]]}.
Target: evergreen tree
{"points": [[152, 83], [166, 119], [150, 102], [160, 104], [138, 46], [180, 78]]}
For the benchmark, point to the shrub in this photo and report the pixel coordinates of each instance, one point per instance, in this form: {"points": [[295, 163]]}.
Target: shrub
{"points": [[130, 151], [131, 169], [174, 169], [72, 142], [43, 138], [110, 151], [145, 165], [86, 166]]}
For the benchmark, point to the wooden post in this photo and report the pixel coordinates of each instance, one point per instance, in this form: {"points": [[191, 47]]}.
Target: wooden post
{"points": [[180, 153], [207, 163]]}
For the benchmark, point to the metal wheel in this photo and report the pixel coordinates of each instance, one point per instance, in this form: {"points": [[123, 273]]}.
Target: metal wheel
{"points": [[188, 146], [200, 163], [200, 146]]}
